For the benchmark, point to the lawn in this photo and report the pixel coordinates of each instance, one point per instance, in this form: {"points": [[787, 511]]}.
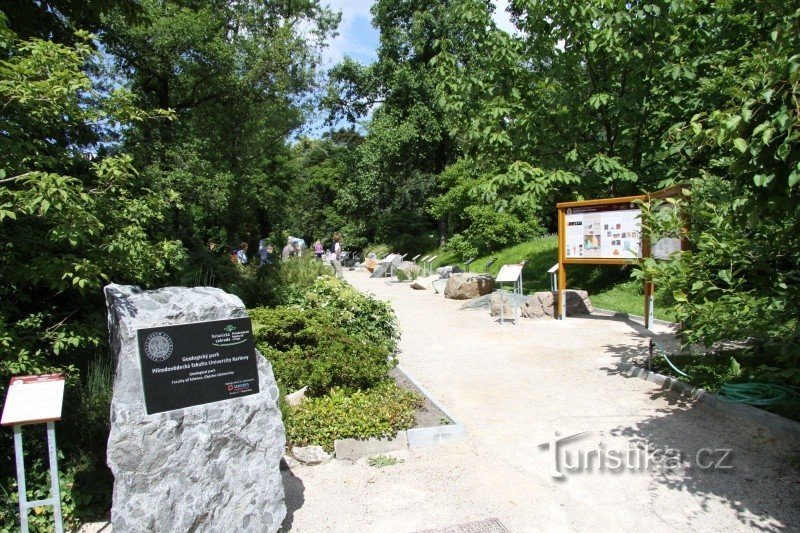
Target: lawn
{"points": [[609, 287]]}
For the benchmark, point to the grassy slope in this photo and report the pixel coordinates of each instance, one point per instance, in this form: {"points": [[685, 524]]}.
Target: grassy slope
{"points": [[609, 287]]}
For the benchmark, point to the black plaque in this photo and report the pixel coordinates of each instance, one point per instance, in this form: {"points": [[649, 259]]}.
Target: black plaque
{"points": [[198, 363]]}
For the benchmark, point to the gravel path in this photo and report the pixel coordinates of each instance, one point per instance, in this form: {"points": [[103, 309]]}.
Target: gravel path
{"points": [[514, 388]]}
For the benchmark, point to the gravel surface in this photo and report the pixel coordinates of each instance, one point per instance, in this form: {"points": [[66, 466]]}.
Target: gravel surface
{"points": [[514, 387]]}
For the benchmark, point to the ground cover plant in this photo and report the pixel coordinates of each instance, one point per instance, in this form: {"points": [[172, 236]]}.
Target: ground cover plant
{"points": [[340, 344]]}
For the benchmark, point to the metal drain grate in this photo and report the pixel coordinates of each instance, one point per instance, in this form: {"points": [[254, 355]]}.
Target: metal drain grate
{"points": [[491, 525]]}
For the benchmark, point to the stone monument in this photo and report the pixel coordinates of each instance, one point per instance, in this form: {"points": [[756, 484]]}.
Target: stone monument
{"points": [[196, 434]]}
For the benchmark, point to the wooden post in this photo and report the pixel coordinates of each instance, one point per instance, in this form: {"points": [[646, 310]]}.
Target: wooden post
{"points": [[647, 251], [649, 289], [561, 300]]}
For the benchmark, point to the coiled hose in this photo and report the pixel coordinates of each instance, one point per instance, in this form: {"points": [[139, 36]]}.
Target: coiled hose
{"points": [[755, 393]]}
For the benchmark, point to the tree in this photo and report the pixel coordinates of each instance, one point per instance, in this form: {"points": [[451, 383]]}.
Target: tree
{"points": [[236, 75], [407, 144]]}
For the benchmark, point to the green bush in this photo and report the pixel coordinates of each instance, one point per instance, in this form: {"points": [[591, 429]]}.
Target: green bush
{"points": [[353, 311], [490, 229], [308, 348], [377, 249], [378, 412]]}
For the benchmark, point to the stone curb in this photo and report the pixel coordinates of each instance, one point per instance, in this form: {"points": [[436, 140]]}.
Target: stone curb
{"points": [[626, 316], [353, 449], [433, 435], [775, 423]]}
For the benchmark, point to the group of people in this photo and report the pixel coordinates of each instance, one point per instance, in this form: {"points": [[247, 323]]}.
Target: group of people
{"points": [[294, 248]]}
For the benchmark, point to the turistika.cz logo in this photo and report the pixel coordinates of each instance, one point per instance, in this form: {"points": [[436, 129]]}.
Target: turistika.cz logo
{"points": [[644, 458]]}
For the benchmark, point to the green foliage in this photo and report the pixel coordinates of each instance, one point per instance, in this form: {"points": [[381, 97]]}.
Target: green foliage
{"points": [[331, 336], [489, 230], [309, 348], [382, 461], [354, 312], [378, 412]]}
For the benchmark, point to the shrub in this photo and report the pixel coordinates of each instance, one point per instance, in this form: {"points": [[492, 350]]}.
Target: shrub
{"points": [[461, 246], [308, 348], [377, 249], [354, 312], [491, 230], [379, 412]]}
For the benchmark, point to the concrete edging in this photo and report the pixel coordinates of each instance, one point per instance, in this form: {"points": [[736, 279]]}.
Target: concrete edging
{"points": [[353, 449], [775, 423], [433, 435]]}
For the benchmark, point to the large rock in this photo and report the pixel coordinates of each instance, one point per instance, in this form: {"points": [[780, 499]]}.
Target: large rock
{"points": [[212, 467], [543, 304], [502, 301], [447, 271], [384, 268], [468, 286]]}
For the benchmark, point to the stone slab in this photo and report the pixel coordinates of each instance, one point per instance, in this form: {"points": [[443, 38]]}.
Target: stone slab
{"points": [[205, 468]]}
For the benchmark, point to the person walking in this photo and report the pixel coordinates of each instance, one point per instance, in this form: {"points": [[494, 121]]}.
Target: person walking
{"points": [[241, 255], [288, 250], [267, 255], [337, 254], [318, 249]]}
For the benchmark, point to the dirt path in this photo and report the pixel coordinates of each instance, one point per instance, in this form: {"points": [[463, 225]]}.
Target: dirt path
{"points": [[514, 388]]}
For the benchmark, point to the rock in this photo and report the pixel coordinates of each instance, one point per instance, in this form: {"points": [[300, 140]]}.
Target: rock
{"points": [[578, 303], [468, 286], [210, 467], [502, 302], [444, 272], [542, 304], [311, 455], [294, 399], [410, 269], [370, 264], [447, 271], [417, 286], [288, 462]]}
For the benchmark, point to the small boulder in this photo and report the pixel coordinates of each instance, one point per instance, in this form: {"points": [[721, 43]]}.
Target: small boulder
{"points": [[501, 304], [417, 286], [468, 286], [543, 304], [294, 399], [311, 455], [370, 264], [410, 269]]}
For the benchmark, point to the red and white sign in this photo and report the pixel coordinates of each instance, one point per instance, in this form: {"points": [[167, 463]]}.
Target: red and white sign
{"points": [[33, 399]]}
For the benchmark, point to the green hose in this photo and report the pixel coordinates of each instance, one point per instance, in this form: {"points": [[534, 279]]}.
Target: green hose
{"points": [[664, 355], [760, 394]]}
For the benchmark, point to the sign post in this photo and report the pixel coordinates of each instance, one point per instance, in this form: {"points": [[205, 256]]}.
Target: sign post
{"points": [[32, 400], [601, 232], [609, 232]]}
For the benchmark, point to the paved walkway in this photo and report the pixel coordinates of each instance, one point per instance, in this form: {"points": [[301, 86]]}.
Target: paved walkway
{"points": [[514, 388]]}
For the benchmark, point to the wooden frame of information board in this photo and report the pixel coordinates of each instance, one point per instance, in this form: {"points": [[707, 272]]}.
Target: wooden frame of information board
{"points": [[604, 205]]}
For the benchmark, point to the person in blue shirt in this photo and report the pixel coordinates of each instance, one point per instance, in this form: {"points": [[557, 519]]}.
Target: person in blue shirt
{"points": [[241, 255]]}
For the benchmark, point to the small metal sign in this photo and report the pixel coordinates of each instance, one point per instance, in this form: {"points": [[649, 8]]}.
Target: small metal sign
{"points": [[197, 363]]}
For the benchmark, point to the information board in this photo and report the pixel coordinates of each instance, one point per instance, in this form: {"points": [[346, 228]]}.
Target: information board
{"points": [[603, 231], [197, 363], [509, 273], [32, 399]]}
